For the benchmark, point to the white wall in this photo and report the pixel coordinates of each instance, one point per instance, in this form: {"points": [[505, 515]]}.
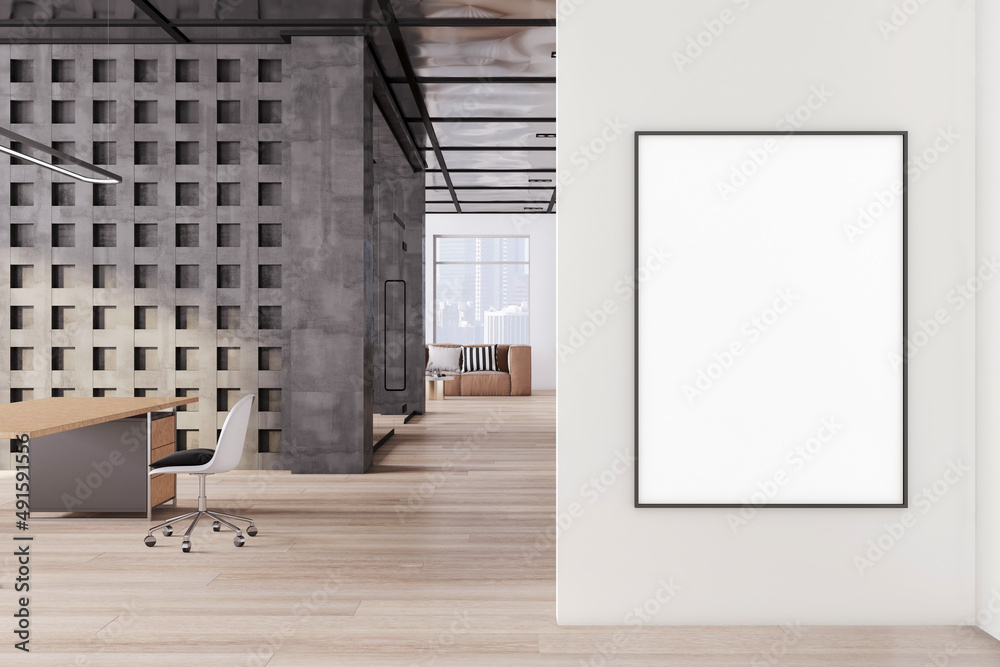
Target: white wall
{"points": [[988, 322], [541, 230], [617, 75]]}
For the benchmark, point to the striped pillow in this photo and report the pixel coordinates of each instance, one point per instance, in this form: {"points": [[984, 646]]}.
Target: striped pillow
{"points": [[480, 358]]}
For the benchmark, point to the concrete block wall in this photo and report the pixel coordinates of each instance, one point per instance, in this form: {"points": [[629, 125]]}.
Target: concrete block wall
{"points": [[238, 247]]}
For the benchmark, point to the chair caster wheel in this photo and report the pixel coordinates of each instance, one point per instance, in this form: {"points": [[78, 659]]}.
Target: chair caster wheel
{"points": [[239, 540], [149, 541], [216, 526], [168, 531], [252, 531], [186, 547]]}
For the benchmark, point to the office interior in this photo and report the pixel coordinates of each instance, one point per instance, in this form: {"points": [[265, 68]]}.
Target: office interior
{"points": [[293, 177]]}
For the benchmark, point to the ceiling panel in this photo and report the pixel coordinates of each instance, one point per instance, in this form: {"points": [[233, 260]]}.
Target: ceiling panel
{"points": [[494, 134], [475, 9], [488, 160], [532, 195], [508, 100], [488, 178], [504, 208], [483, 52]]}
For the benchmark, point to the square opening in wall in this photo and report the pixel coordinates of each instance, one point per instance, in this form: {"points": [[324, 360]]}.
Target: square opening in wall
{"points": [[63, 235], [105, 317], [228, 194], [188, 439], [228, 317], [269, 71], [145, 194], [270, 400], [17, 162], [145, 318], [226, 398], [268, 441], [145, 152], [187, 71], [269, 235], [64, 194], [269, 194], [145, 276], [229, 276], [22, 358], [105, 194], [63, 359], [269, 317], [146, 359], [228, 235], [268, 112], [63, 112], [61, 316], [143, 392], [22, 275], [105, 70], [105, 276], [22, 71], [21, 394], [184, 392], [188, 194], [186, 317], [67, 147], [146, 235], [62, 276], [187, 359], [269, 276], [22, 112], [105, 359], [228, 111], [106, 112], [269, 358], [187, 276], [227, 71], [22, 194], [22, 317], [187, 112], [145, 71], [228, 152], [269, 152], [63, 71], [228, 358], [106, 235], [186, 235], [105, 392], [187, 152], [22, 235], [105, 152], [146, 112]]}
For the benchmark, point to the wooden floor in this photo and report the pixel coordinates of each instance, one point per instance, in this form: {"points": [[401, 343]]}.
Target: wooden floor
{"points": [[418, 563]]}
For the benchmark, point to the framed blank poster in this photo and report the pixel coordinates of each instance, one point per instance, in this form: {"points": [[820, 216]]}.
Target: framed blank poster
{"points": [[769, 348]]}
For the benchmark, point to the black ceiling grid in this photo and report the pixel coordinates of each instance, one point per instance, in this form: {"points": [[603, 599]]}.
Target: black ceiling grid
{"points": [[475, 94]]}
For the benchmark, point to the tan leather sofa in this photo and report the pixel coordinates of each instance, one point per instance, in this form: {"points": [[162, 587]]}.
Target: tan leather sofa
{"points": [[513, 378]]}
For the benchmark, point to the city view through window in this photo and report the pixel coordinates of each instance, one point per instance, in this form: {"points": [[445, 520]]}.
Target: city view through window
{"points": [[481, 290]]}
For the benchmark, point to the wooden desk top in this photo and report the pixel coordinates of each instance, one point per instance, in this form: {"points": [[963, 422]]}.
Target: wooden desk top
{"points": [[46, 416]]}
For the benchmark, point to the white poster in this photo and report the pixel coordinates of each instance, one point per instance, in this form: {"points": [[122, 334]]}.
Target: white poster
{"points": [[770, 354]]}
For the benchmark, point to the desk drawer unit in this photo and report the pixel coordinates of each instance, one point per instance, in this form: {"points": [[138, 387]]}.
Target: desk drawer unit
{"points": [[161, 443]]}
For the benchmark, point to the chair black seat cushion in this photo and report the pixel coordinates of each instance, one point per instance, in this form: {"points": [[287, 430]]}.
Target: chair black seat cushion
{"points": [[186, 457]]}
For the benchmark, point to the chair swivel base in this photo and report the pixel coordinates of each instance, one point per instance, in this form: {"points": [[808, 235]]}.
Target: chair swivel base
{"points": [[217, 523]]}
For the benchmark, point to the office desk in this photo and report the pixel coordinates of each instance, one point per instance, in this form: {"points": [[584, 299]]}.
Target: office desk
{"points": [[93, 454]]}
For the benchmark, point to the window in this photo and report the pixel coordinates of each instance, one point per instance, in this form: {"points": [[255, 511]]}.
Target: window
{"points": [[481, 289]]}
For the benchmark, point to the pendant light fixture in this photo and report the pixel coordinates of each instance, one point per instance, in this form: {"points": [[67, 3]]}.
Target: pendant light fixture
{"points": [[102, 177]]}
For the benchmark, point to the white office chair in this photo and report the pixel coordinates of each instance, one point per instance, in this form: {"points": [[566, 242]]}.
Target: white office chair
{"points": [[203, 462]]}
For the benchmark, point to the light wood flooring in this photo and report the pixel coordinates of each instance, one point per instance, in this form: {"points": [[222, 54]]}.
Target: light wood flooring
{"points": [[418, 563]]}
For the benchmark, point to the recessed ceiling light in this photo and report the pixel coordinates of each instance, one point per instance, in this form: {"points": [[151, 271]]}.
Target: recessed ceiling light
{"points": [[546, 135], [539, 180]]}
